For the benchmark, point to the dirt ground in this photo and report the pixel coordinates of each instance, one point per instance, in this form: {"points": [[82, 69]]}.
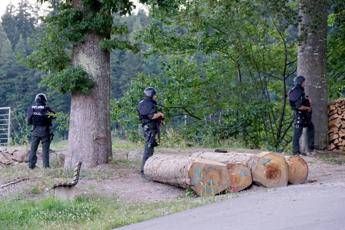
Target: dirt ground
{"points": [[121, 179]]}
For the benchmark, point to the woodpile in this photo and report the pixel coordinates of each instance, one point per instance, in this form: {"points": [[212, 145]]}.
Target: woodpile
{"points": [[211, 173], [336, 125]]}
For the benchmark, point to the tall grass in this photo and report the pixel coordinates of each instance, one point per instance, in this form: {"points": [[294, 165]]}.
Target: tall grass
{"points": [[85, 212]]}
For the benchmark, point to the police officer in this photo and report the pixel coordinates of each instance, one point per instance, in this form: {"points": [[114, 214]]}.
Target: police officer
{"points": [[303, 114], [150, 119], [40, 117]]}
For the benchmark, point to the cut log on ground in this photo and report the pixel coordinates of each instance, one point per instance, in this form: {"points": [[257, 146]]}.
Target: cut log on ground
{"points": [[268, 169], [240, 176], [205, 177], [298, 169], [208, 177], [5, 158], [169, 169]]}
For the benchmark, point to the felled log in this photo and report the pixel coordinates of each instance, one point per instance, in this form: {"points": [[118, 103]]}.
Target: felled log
{"points": [[208, 177], [298, 169], [169, 169], [19, 156], [240, 176], [5, 159], [205, 177], [268, 169]]}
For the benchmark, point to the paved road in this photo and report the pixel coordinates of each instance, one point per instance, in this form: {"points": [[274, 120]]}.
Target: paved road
{"points": [[310, 206]]}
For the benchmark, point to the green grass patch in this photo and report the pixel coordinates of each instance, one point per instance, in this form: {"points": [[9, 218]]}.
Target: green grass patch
{"points": [[86, 212], [59, 145], [124, 144], [332, 158]]}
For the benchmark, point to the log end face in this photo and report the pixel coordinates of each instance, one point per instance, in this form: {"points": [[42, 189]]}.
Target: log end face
{"points": [[208, 177], [298, 170], [271, 170], [240, 177]]}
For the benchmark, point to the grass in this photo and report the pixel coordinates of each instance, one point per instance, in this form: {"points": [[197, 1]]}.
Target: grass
{"points": [[125, 144], [86, 212], [31, 209], [332, 158]]}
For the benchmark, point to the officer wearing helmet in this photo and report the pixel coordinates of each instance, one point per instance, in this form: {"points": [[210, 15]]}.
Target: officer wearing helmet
{"points": [[40, 117], [301, 105], [150, 119]]}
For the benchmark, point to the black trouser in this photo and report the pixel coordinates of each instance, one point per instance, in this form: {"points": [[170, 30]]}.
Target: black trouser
{"points": [[150, 143], [35, 141], [297, 133]]}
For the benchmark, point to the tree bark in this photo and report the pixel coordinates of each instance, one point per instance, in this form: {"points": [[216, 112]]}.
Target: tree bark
{"points": [[89, 138], [312, 62], [169, 169]]}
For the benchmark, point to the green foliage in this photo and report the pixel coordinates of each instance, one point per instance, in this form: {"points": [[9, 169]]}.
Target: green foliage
{"points": [[68, 27], [52, 52], [88, 212], [226, 69], [62, 124], [21, 213], [336, 51], [70, 80]]}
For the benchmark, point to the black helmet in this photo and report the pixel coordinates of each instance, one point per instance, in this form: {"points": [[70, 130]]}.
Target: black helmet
{"points": [[149, 92], [299, 80], [41, 98]]}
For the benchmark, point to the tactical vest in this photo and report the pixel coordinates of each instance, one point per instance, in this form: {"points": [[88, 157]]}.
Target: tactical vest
{"points": [[40, 115], [145, 108]]}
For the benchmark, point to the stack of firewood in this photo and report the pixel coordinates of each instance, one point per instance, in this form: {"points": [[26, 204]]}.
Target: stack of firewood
{"points": [[336, 130], [211, 173]]}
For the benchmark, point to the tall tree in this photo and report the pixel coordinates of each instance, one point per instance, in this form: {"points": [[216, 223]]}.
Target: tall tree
{"points": [[6, 54], [89, 132], [75, 51], [312, 62]]}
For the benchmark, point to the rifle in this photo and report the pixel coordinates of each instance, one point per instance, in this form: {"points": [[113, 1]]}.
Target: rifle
{"points": [[160, 122]]}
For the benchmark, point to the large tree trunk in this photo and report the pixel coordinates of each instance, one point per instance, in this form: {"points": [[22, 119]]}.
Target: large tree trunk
{"points": [[312, 62], [89, 138], [268, 169]]}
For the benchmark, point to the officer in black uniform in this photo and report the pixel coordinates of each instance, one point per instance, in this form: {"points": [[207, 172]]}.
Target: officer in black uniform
{"points": [[303, 113], [151, 120], [40, 117]]}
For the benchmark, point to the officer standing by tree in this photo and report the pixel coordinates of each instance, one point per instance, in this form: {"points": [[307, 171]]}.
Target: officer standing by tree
{"points": [[302, 118], [40, 117], [150, 119]]}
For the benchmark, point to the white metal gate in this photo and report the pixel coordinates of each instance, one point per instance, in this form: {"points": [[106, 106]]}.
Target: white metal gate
{"points": [[5, 126]]}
